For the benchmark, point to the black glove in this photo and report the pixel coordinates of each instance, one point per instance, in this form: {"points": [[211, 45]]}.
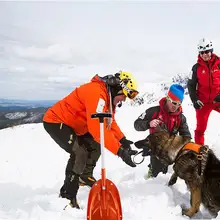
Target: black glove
{"points": [[217, 98], [127, 145], [198, 104], [125, 155], [142, 144]]}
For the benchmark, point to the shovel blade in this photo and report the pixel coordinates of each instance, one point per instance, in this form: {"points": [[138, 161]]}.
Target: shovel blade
{"points": [[104, 204]]}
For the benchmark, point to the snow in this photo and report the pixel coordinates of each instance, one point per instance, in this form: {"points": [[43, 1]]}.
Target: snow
{"points": [[33, 165]]}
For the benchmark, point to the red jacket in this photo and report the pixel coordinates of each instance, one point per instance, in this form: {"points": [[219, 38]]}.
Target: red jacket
{"points": [[174, 122], [75, 111], [205, 82], [171, 120]]}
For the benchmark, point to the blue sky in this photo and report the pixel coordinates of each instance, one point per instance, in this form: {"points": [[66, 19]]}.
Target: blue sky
{"points": [[47, 49]]}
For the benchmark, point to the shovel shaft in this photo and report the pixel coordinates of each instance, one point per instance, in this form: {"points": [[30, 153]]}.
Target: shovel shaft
{"points": [[104, 205], [103, 179], [102, 144]]}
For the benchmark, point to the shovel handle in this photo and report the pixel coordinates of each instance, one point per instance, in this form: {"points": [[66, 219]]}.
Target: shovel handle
{"points": [[101, 116]]}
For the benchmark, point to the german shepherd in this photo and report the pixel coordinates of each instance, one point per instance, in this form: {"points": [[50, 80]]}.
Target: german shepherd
{"points": [[196, 164]]}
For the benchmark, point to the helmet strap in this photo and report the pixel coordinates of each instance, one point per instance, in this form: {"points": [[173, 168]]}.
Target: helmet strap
{"points": [[109, 120]]}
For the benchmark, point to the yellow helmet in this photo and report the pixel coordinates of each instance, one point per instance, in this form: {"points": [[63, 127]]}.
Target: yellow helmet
{"points": [[128, 84]]}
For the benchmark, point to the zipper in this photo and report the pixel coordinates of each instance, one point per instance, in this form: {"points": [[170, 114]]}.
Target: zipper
{"points": [[210, 78]]}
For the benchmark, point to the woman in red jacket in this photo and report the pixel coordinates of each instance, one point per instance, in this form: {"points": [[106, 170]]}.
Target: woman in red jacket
{"points": [[204, 86], [69, 123]]}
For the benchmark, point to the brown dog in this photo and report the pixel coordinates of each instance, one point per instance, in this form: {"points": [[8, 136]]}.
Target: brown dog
{"points": [[196, 164]]}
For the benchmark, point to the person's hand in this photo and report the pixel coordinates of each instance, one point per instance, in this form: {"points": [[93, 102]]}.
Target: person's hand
{"points": [[198, 104], [154, 123], [125, 155], [127, 145]]}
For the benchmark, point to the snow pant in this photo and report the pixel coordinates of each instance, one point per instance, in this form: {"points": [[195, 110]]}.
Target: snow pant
{"points": [[156, 166], [84, 153], [202, 116]]}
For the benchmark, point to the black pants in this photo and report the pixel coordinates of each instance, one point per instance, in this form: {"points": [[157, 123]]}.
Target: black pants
{"points": [[66, 138], [84, 150], [156, 166], [62, 134]]}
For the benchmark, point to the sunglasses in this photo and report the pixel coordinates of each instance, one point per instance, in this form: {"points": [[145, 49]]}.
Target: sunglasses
{"points": [[174, 102], [206, 52]]}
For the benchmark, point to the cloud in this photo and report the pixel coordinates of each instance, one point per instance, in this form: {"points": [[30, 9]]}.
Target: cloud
{"points": [[69, 42]]}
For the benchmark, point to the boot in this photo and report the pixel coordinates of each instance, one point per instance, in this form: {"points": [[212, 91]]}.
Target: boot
{"points": [[87, 178], [70, 188], [74, 203]]}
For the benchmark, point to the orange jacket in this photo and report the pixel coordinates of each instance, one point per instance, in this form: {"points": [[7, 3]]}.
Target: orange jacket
{"points": [[75, 111]]}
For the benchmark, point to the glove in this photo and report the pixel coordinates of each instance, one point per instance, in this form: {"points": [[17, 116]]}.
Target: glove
{"points": [[154, 123], [198, 104], [126, 156], [142, 144], [217, 98], [127, 145]]}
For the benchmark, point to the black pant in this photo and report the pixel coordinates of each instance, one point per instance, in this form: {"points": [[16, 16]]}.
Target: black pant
{"points": [[62, 135], [75, 145], [84, 153], [156, 166]]}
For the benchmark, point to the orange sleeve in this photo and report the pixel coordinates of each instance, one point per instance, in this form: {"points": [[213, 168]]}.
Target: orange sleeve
{"points": [[111, 142], [116, 130]]}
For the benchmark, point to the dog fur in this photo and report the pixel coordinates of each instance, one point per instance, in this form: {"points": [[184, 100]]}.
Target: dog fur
{"points": [[204, 188]]}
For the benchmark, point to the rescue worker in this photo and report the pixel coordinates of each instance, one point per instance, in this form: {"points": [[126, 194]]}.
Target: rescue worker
{"points": [[168, 114], [70, 124], [204, 87]]}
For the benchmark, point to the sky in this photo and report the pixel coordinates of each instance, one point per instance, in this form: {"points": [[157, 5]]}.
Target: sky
{"points": [[49, 48], [33, 166]]}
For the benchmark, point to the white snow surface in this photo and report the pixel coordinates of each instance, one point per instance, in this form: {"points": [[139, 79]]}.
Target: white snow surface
{"points": [[32, 171]]}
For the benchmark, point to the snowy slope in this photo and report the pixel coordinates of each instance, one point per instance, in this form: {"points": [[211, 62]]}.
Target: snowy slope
{"points": [[32, 171]]}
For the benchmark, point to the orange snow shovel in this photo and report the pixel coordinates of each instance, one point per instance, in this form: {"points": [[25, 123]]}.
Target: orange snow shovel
{"points": [[104, 201]]}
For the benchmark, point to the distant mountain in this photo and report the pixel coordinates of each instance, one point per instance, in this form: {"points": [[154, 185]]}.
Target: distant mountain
{"points": [[24, 104], [17, 112]]}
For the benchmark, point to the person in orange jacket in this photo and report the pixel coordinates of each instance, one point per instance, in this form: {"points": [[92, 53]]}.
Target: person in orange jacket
{"points": [[70, 124]]}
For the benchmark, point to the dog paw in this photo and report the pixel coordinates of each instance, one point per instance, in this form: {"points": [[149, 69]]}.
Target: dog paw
{"points": [[172, 181], [188, 212]]}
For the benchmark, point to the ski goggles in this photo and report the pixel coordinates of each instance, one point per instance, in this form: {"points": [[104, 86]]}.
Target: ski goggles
{"points": [[205, 52], [132, 94], [174, 102]]}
